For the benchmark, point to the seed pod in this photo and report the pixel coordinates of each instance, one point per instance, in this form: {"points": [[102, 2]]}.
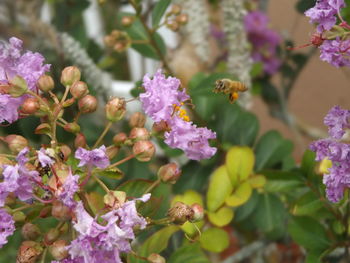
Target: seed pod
{"points": [[16, 143], [58, 249], [143, 150], [180, 213], [169, 173], [51, 236], [70, 75], [138, 120], [115, 109], [79, 89], [30, 231], [30, 105], [198, 213], [139, 134], [87, 104], [60, 211], [80, 141], [45, 83]]}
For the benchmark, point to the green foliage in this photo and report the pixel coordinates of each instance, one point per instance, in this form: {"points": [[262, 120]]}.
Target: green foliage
{"points": [[188, 253], [158, 11], [214, 240], [304, 5]]}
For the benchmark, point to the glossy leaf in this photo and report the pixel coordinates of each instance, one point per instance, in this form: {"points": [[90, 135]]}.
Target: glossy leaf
{"points": [[307, 204], [247, 209], [113, 173], [239, 163], [220, 188], [158, 11], [222, 217], [280, 181], [240, 195], [214, 240], [135, 188]]}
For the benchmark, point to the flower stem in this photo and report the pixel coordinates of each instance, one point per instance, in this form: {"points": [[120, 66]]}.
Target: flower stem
{"points": [[102, 184], [44, 256], [22, 208], [65, 94], [122, 161], [103, 134], [152, 186]]}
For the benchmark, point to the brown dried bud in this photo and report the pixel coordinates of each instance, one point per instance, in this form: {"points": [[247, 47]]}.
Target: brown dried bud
{"points": [[169, 173], [112, 151], [143, 150], [30, 231], [173, 26], [16, 143], [45, 83], [65, 152], [80, 141], [198, 213], [70, 75], [176, 9], [51, 236], [19, 216], [58, 249], [79, 89], [182, 19], [60, 211], [29, 252], [72, 127], [156, 258], [180, 213], [160, 127], [138, 120], [119, 139], [139, 134], [87, 104], [30, 105], [115, 109], [127, 20]]}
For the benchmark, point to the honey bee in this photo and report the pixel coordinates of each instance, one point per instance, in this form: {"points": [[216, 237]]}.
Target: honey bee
{"points": [[230, 87]]}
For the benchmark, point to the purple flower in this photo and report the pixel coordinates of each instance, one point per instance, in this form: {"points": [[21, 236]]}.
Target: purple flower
{"points": [[191, 139], [29, 66], [7, 226], [336, 52], [44, 158], [66, 192], [324, 13], [161, 95], [96, 157], [337, 121]]}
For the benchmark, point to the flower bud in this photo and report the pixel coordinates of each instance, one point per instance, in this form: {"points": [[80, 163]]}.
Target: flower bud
{"points": [[68, 102], [79, 89], [127, 20], [19, 216], [29, 252], [120, 46], [143, 150], [72, 127], [115, 109], [182, 19], [180, 213], [16, 143], [156, 258], [138, 120], [160, 127], [80, 141], [51, 236], [30, 231], [173, 26], [60, 211], [119, 139], [65, 152], [70, 75], [58, 249], [175, 9], [45, 83], [43, 128], [87, 104], [169, 173], [139, 134], [30, 105], [112, 151], [198, 213]]}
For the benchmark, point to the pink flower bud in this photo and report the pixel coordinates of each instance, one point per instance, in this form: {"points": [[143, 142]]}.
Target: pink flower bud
{"points": [[45, 83], [30, 105], [51, 236], [30, 231], [87, 104], [127, 20], [112, 151], [143, 150], [139, 134], [115, 109], [29, 252], [72, 127], [180, 213], [16, 143], [169, 173], [198, 213], [138, 120], [119, 139], [60, 211], [70, 75], [155, 258], [79, 89], [58, 249], [80, 141]]}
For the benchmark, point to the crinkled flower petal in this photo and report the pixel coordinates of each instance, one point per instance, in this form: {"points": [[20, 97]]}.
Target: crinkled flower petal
{"points": [[44, 158], [96, 157], [7, 226], [68, 189], [337, 121]]}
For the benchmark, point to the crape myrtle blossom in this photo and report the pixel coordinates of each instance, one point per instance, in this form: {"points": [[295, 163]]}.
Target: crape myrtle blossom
{"points": [[96, 157], [66, 191], [338, 177], [13, 63], [45, 158], [264, 41], [162, 101], [7, 226], [18, 179], [336, 52], [99, 242]]}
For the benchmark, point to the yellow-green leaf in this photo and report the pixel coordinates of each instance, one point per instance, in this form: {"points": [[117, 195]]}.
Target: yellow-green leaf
{"points": [[239, 162], [222, 217], [240, 196], [257, 181], [214, 240], [219, 188]]}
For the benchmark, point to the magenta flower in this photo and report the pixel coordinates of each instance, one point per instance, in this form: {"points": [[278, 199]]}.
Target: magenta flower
{"points": [[44, 158], [96, 157], [7, 226], [337, 121], [29, 66], [336, 52], [66, 192]]}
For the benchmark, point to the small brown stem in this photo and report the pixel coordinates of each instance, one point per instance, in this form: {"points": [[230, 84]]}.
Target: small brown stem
{"points": [[122, 161], [65, 94], [152, 186], [103, 134]]}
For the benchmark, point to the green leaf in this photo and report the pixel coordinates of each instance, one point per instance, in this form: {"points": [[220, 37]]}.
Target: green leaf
{"points": [[309, 233], [240, 196], [214, 240], [308, 163], [271, 149], [307, 204], [304, 5], [135, 188], [239, 163], [189, 253], [220, 187], [158, 11], [113, 173], [222, 217], [270, 213], [245, 210], [281, 181]]}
